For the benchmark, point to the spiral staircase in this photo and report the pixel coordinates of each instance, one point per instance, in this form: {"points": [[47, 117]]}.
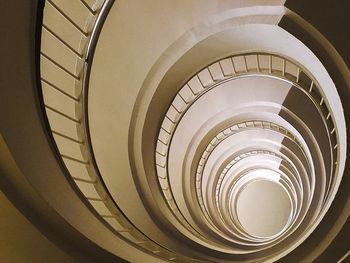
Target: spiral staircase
{"points": [[179, 131]]}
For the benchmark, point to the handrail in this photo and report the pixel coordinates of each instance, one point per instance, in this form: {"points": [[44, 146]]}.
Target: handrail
{"points": [[312, 92], [123, 227], [96, 31]]}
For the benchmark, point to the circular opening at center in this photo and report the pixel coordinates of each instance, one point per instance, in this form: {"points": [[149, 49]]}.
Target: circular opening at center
{"points": [[263, 208]]}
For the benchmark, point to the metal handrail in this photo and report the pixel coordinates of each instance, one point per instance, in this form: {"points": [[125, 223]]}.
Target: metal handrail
{"points": [[82, 122], [312, 92]]}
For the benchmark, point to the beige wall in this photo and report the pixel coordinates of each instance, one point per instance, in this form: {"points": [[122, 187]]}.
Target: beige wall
{"points": [[21, 242]]}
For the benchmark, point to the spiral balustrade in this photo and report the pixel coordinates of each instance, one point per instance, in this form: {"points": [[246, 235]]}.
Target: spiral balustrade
{"points": [[241, 162], [69, 36], [230, 130]]}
